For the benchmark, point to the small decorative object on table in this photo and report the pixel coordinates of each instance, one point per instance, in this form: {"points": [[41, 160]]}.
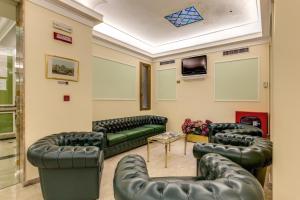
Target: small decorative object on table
{"points": [[196, 131]]}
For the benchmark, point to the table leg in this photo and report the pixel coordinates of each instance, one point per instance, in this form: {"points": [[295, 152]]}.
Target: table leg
{"points": [[185, 142], [148, 150], [166, 155], [169, 146]]}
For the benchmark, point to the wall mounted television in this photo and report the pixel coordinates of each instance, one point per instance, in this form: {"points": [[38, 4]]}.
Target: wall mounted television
{"points": [[194, 66]]}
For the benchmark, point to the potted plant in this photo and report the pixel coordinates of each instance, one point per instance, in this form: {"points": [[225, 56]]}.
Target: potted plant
{"points": [[196, 130]]}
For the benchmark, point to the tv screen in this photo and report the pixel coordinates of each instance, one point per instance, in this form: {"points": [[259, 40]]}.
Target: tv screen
{"points": [[194, 66]]}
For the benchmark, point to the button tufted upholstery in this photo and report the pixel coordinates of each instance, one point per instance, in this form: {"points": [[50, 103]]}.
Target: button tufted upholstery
{"points": [[123, 134], [70, 165], [252, 153], [236, 128], [220, 179]]}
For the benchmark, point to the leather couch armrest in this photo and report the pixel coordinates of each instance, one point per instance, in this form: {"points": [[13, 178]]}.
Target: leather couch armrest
{"points": [[231, 152], [159, 120]]}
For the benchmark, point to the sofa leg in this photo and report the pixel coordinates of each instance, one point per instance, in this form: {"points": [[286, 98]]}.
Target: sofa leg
{"points": [[260, 174], [198, 167]]}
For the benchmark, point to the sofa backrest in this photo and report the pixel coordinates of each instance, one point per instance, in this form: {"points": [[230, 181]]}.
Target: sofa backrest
{"points": [[126, 123], [248, 151], [236, 128]]}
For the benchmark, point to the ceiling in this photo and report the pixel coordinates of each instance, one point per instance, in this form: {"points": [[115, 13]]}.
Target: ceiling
{"points": [[141, 24]]}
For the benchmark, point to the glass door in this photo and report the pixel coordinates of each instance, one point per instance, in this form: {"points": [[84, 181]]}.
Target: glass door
{"points": [[9, 138]]}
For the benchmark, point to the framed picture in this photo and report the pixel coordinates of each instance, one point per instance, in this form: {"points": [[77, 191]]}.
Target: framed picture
{"points": [[62, 68]]}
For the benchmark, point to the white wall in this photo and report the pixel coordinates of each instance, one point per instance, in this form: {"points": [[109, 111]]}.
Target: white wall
{"points": [[285, 100], [195, 98], [45, 111]]}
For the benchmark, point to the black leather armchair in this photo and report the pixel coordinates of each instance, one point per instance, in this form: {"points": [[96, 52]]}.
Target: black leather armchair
{"points": [[235, 128], [220, 179], [123, 134], [70, 165], [252, 153]]}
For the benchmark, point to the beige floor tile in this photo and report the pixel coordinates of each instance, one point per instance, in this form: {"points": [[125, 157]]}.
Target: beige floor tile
{"points": [[178, 165]]}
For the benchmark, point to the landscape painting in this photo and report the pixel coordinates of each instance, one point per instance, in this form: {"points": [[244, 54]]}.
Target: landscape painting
{"points": [[62, 68]]}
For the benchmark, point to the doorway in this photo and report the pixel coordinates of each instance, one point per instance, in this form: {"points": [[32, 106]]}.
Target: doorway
{"points": [[145, 86], [11, 79]]}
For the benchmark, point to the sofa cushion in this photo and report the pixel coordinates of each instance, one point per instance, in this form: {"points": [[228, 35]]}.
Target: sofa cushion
{"points": [[137, 132], [157, 127], [115, 138]]}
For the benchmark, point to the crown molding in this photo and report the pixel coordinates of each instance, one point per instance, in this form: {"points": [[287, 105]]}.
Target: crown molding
{"points": [[114, 43], [72, 10], [215, 47], [100, 36], [120, 48]]}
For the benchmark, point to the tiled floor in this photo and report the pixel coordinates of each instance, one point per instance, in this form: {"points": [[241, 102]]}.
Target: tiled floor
{"points": [[9, 169], [178, 165]]}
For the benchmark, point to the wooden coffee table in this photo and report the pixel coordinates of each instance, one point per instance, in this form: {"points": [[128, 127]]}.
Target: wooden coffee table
{"points": [[166, 138]]}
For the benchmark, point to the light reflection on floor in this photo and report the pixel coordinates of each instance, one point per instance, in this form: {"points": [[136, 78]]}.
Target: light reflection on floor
{"points": [[9, 169]]}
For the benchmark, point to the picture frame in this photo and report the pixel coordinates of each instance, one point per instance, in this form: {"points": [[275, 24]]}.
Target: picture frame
{"points": [[61, 68]]}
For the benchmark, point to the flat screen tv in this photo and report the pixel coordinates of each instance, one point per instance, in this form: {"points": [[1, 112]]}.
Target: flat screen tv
{"points": [[194, 66]]}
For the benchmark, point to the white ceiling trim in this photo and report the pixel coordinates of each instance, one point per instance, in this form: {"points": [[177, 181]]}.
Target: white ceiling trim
{"points": [[216, 47], [72, 10], [233, 35]]}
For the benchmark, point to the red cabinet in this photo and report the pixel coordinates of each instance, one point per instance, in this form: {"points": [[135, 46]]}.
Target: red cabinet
{"points": [[257, 119]]}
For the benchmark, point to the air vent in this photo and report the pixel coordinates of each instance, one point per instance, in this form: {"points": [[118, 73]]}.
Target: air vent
{"points": [[167, 62], [235, 51]]}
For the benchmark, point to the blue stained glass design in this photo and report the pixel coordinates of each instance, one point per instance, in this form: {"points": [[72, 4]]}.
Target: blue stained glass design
{"points": [[184, 17]]}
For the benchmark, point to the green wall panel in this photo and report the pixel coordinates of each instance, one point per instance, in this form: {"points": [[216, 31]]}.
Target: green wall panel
{"points": [[237, 80], [6, 122], [166, 84], [6, 96], [113, 80]]}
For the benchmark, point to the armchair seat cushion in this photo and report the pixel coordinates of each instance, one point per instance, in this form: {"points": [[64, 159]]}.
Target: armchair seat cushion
{"points": [[138, 132], [157, 127], [116, 138]]}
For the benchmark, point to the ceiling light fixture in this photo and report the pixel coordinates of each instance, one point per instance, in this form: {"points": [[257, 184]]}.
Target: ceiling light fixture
{"points": [[184, 17]]}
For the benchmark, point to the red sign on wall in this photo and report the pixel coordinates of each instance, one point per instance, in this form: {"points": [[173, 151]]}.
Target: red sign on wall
{"points": [[62, 37]]}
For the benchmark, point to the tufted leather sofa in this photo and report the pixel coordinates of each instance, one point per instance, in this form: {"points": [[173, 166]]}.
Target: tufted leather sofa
{"points": [[123, 134], [236, 128], [70, 165], [252, 153], [220, 179]]}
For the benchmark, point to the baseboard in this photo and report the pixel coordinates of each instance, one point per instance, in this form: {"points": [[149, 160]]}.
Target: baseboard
{"points": [[31, 182]]}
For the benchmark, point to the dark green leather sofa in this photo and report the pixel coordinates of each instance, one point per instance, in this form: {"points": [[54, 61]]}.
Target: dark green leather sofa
{"points": [[220, 179], [236, 128], [123, 134], [251, 152], [70, 165]]}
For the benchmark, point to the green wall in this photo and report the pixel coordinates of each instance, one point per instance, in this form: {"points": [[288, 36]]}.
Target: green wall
{"points": [[237, 80], [6, 122], [113, 80], [6, 96], [166, 84]]}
